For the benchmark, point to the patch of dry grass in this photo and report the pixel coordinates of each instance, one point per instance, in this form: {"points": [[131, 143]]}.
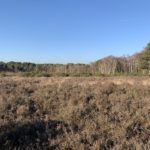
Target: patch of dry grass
{"points": [[75, 113]]}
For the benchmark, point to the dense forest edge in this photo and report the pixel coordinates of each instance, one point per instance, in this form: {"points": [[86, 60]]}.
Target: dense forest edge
{"points": [[137, 64]]}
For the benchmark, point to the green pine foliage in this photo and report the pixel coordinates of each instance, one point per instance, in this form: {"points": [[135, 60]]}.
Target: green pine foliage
{"points": [[145, 58]]}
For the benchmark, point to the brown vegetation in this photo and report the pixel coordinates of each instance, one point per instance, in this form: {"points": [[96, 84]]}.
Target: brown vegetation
{"points": [[75, 113]]}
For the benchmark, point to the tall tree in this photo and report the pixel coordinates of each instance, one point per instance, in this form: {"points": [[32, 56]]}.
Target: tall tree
{"points": [[145, 58]]}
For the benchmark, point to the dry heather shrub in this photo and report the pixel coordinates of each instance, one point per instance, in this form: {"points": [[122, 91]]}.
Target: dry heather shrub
{"points": [[73, 113]]}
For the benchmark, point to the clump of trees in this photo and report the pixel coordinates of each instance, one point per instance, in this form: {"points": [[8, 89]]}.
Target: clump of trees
{"points": [[118, 65], [137, 64], [145, 60]]}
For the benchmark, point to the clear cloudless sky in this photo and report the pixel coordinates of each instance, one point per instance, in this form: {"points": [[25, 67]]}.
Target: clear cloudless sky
{"points": [[78, 31]]}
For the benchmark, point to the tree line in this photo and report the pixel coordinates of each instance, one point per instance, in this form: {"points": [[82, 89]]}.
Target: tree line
{"points": [[138, 63]]}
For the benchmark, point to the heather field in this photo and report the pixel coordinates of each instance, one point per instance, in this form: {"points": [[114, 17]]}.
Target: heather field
{"points": [[74, 113]]}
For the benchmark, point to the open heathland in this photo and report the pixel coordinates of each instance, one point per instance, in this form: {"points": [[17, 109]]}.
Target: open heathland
{"points": [[75, 113]]}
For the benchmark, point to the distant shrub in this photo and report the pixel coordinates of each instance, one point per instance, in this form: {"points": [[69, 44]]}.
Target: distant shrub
{"points": [[3, 74], [61, 74], [35, 74]]}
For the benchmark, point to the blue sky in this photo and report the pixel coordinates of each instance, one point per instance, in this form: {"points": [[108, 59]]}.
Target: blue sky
{"points": [[63, 31]]}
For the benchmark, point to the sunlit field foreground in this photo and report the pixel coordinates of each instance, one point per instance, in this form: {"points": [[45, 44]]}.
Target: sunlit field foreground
{"points": [[75, 113]]}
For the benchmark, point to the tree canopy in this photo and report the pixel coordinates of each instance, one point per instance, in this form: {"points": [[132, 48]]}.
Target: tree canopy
{"points": [[136, 64]]}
